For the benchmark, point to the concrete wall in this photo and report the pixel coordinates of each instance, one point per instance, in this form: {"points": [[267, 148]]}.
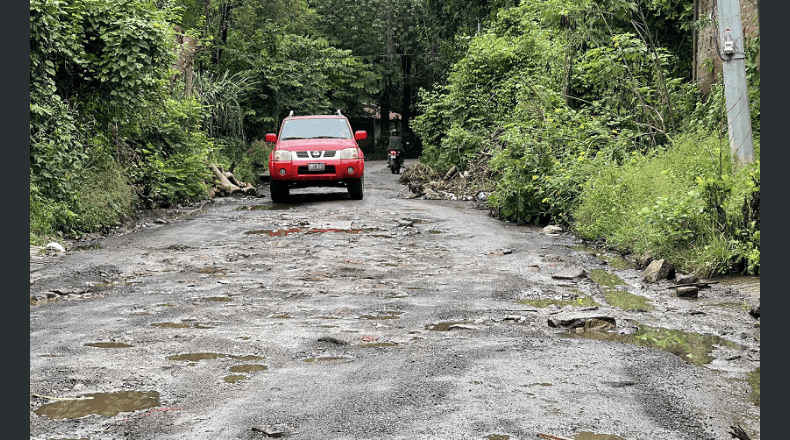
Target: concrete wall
{"points": [[705, 43]]}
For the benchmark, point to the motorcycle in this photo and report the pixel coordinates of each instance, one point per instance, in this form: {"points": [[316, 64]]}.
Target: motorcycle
{"points": [[395, 161]]}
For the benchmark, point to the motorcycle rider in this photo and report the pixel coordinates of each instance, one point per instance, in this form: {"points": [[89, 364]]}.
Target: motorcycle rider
{"points": [[395, 142]]}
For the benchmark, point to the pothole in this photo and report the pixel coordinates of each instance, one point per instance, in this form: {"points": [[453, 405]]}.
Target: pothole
{"points": [[233, 378], [105, 404], [692, 347], [108, 344], [383, 315], [248, 368], [179, 325]]}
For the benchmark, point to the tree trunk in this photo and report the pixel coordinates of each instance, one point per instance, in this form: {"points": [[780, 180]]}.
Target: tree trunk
{"points": [[406, 102], [224, 183]]}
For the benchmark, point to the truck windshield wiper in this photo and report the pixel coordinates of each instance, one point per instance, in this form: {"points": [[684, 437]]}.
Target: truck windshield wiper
{"points": [[291, 137], [327, 137]]}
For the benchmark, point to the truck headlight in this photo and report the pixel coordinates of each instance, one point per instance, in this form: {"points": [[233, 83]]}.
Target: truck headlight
{"points": [[282, 156], [349, 153]]}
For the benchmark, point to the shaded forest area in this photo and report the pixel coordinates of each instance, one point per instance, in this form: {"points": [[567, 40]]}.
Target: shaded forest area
{"points": [[565, 102]]}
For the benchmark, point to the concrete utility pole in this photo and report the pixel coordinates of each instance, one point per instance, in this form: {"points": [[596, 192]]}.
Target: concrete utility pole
{"points": [[739, 122]]}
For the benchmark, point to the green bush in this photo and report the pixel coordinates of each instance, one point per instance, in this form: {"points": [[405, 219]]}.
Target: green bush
{"points": [[684, 203]]}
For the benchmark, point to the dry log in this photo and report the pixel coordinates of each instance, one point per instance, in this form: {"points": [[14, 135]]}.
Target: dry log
{"points": [[451, 173], [224, 183]]}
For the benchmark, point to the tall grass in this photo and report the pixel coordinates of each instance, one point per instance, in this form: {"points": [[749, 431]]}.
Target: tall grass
{"points": [[683, 203]]}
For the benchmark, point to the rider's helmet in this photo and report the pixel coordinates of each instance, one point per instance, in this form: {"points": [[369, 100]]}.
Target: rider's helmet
{"points": [[394, 132]]}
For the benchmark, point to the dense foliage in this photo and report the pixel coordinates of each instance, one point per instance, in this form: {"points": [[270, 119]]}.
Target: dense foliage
{"points": [[130, 101], [561, 91]]}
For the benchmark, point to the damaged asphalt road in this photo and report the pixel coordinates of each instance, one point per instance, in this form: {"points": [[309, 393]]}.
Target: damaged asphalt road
{"points": [[383, 318]]}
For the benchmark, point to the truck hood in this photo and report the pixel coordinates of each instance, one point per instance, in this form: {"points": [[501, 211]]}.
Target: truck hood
{"points": [[316, 144]]}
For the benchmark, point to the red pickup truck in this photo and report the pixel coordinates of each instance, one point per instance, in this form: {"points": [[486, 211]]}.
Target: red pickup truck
{"points": [[316, 151]]}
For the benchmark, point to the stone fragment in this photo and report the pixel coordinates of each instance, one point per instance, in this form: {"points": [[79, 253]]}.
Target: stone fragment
{"points": [[688, 292], [755, 311], [55, 247], [585, 321], [272, 430], [569, 273], [685, 279], [657, 270], [552, 229]]}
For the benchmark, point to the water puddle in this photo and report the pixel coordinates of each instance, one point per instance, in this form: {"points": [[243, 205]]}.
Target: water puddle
{"points": [[497, 437], [218, 299], [179, 325], [383, 315], [272, 233], [105, 404], [585, 435], [194, 357], [754, 382], [692, 347], [444, 326], [379, 344], [108, 344], [233, 378], [211, 270], [749, 284], [248, 368], [435, 231], [283, 232], [628, 301], [618, 298], [324, 359], [584, 301], [606, 279]]}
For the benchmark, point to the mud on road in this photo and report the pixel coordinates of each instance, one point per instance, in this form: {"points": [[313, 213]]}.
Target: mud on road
{"points": [[384, 318]]}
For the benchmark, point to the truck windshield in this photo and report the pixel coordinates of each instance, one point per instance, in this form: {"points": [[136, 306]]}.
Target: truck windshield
{"points": [[316, 128]]}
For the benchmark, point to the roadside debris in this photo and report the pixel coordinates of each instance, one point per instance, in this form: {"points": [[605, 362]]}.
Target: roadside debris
{"points": [[227, 184], [657, 270]]}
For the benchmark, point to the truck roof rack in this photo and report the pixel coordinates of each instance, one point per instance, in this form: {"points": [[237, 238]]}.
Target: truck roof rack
{"points": [[291, 115], [338, 112]]}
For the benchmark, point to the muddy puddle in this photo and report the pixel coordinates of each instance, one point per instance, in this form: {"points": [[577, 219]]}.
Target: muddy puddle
{"points": [[283, 232], [614, 260], [218, 299], [194, 357], [105, 404], [108, 344], [383, 315], [248, 368], [619, 298], [749, 284], [754, 383], [179, 325], [497, 437], [325, 359], [233, 378], [692, 347]]}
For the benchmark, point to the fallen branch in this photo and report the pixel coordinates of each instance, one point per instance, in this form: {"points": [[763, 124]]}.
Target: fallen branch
{"points": [[739, 433], [224, 183]]}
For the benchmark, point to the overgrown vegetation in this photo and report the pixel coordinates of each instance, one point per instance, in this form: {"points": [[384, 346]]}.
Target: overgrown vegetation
{"points": [[589, 113], [580, 112]]}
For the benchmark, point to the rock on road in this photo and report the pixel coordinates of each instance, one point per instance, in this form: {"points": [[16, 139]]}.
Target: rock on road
{"points": [[383, 318]]}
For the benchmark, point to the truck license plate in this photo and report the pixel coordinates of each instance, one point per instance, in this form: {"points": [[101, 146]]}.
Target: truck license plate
{"points": [[315, 166]]}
